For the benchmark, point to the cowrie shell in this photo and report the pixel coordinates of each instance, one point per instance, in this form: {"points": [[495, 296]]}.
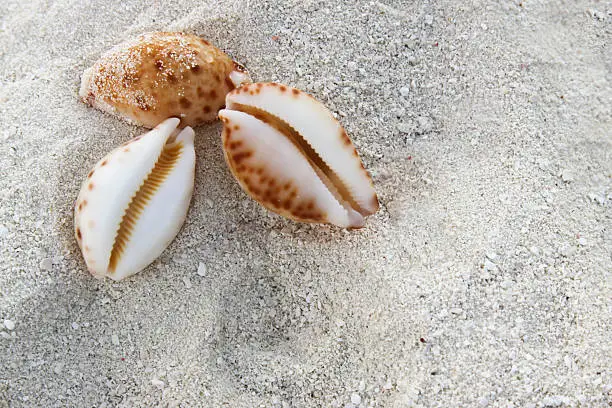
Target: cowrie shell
{"points": [[161, 75], [134, 201], [290, 154]]}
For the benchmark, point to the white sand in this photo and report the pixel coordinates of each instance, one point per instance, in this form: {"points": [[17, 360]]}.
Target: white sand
{"points": [[483, 281]]}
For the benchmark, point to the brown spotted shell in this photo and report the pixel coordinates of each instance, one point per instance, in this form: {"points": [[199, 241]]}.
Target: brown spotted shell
{"points": [[290, 154], [160, 75]]}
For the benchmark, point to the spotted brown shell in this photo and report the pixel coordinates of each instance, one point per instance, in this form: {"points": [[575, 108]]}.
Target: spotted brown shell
{"points": [[160, 75]]}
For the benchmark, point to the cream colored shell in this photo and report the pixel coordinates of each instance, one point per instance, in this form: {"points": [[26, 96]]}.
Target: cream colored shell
{"points": [[160, 75], [134, 201], [289, 153]]}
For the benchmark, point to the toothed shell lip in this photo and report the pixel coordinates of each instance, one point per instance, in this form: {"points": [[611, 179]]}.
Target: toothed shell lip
{"points": [[303, 131], [134, 201]]}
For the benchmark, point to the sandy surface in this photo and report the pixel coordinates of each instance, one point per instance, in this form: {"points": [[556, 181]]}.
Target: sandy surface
{"points": [[484, 280]]}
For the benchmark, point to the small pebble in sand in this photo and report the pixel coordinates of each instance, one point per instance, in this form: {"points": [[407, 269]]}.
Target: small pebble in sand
{"points": [[355, 398], [489, 266], [46, 264], [567, 176], [158, 383], [404, 91], [115, 339], [567, 250], [9, 324], [425, 124], [556, 401], [201, 269], [405, 128], [187, 282]]}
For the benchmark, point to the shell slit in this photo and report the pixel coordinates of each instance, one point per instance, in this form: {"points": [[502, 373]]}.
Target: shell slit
{"points": [[328, 176], [166, 161]]}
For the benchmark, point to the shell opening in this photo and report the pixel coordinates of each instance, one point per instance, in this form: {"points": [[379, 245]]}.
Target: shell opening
{"points": [[164, 165]]}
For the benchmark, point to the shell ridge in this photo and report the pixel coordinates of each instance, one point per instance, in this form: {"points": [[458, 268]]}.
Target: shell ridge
{"points": [[164, 165]]}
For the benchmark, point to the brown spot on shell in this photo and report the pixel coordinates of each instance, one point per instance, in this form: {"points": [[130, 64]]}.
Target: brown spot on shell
{"points": [[295, 92], [104, 163], [126, 149], [90, 186], [90, 174], [206, 109], [239, 157], [195, 68], [213, 94], [185, 103], [283, 88], [159, 65], [345, 138], [78, 234]]}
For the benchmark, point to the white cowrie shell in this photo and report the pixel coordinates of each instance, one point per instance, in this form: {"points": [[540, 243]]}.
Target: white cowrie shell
{"points": [[289, 153], [160, 75], [135, 200]]}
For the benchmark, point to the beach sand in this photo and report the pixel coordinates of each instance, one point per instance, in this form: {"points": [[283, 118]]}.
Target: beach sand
{"points": [[483, 281]]}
